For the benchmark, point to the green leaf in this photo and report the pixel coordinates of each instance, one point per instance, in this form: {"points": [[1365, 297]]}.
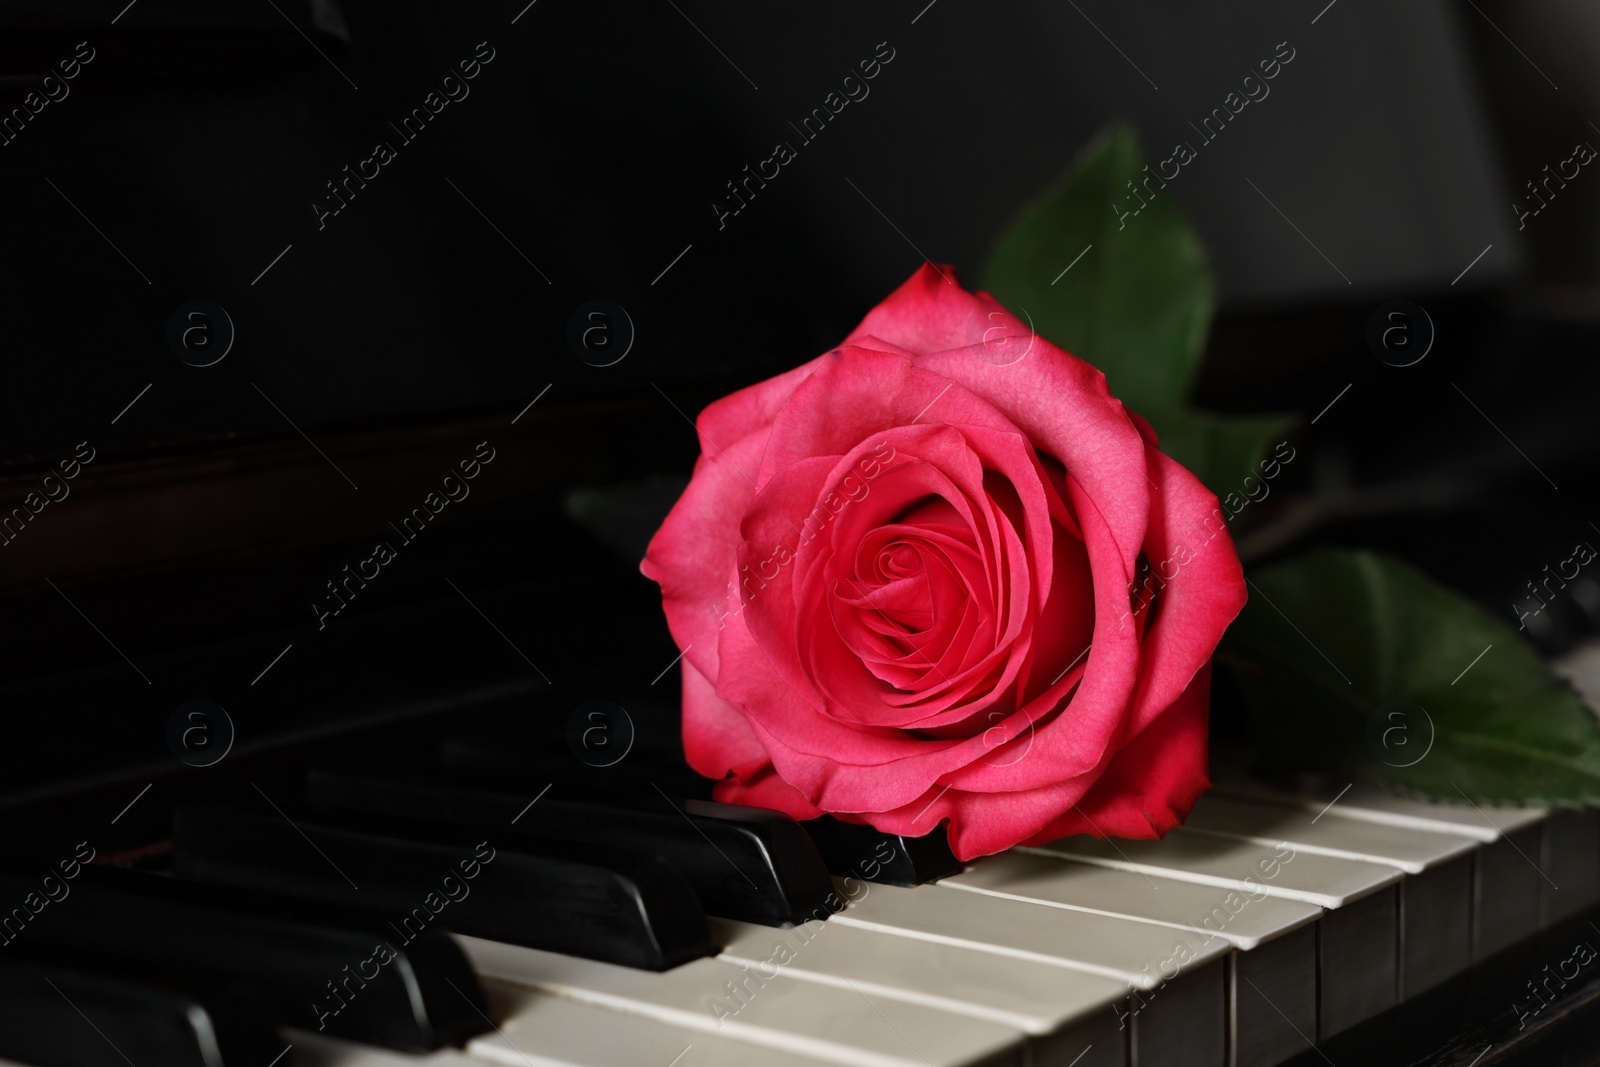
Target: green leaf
{"points": [[1220, 451], [1138, 303], [1360, 663]]}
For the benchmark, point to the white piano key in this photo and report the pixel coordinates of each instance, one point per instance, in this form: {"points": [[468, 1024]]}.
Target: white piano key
{"points": [[1281, 871], [535, 1030], [1570, 859], [1065, 1013], [1436, 925], [845, 1026], [1120, 949], [1358, 960], [1272, 999], [1435, 903], [1412, 850], [1277, 937], [1177, 996], [1358, 936], [1510, 896], [308, 1049], [1370, 803], [1211, 911], [1506, 891]]}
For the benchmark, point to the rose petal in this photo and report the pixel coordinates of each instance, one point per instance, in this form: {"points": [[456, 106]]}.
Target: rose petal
{"points": [[1151, 784]]}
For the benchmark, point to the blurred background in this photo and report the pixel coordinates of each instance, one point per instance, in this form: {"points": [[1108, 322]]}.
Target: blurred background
{"points": [[380, 313]]}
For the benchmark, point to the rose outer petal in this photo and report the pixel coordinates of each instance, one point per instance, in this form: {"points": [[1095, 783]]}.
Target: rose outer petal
{"points": [[1152, 783], [690, 557]]}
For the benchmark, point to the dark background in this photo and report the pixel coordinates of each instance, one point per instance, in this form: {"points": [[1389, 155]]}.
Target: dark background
{"points": [[372, 353]]}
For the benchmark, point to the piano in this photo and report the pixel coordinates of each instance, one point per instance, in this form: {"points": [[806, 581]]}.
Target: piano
{"points": [[261, 808], [503, 901]]}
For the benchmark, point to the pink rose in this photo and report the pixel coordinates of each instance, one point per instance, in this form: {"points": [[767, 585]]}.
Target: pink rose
{"points": [[940, 574]]}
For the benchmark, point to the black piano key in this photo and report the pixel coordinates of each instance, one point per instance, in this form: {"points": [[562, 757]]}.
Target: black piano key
{"points": [[358, 981], [744, 863], [874, 856], [512, 767], [571, 899], [59, 1015]]}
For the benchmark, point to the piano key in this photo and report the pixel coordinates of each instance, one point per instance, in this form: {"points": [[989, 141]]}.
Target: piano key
{"points": [[636, 912], [1411, 850], [709, 996], [1505, 874], [536, 1030], [1066, 1014], [54, 1016], [551, 1031], [311, 1049], [1570, 859], [490, 765], [744, 863], [1358, 961], [1358, 964], [1179, 971], [1435, 902], [1245, 921], [1436, 925], [1370, 803], [1283, 872], [874, 856], [1273, 998], [1276, 938], [1506, 880], [399, 997]]}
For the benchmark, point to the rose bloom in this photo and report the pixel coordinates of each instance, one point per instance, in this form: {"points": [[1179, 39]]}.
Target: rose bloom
{"points": [[940, 575]]}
